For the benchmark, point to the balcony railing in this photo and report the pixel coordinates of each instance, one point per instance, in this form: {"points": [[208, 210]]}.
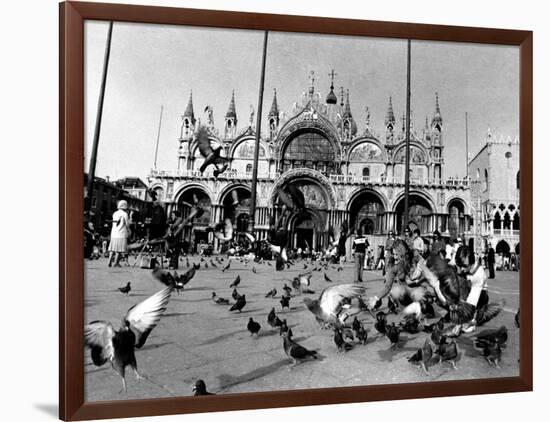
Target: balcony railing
{"points": [[335, 178]]}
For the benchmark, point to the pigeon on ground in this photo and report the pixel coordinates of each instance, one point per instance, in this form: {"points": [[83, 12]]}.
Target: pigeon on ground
{"points": [[206, 265], [492, 336], [197, 266], [392, 305], [235, 294], [493, 354], [126, 289], [437, 331], [285, 302], [447, 351], [423, 356], [271, 293], [381, 323], [284, 328], [213, 264], [361, 334], [287, 290], [296, 352], [239, 304], [355, 324], [236, 282], [199, 389], [253, 327], [341, 344], [118, 346], [273, 319], [219, 300], [327, 279], [226, 267], [187, 263], [254, 270], [392, 332]]}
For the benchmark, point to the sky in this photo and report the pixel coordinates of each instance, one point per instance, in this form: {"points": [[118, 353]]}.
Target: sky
{"points": [[159, 65]]}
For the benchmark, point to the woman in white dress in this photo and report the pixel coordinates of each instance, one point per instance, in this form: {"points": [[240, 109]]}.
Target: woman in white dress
{"points": [[119, 233]]}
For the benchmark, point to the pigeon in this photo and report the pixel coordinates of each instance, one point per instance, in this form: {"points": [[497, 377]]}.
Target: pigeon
{"points": [[381, 323], [236, 282], [492, 336], [196, 266], [361, 334], [213, 264], [487, 312], [340, 268], [118, 346], [355, 325], [287, 290], [423, 356], [206, 265], [199, 389], [492, 354], [235, 295], [327, 279], [219, 300], [211, 155], [126, 289], [427, 308], [296, 352], [447, 352], [187, 262], [409, 325], [239, 304], [437, 331], [285, 302], [273, 319], [284, 328], [305, 266], [392, 331], [392, 305], [226, 267], [332, 301], [185, 278], [516, 318], [254, 270], [341, 344], [253, 327], [271, 293]]}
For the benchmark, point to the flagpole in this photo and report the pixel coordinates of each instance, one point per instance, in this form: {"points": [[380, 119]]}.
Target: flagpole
{"points": [[93, 157], [407, 136], [158, 137], [467, 159], [252, 216]]}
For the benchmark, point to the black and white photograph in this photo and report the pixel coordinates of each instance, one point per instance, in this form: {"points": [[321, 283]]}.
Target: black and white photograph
{"points": [[269, 211]]}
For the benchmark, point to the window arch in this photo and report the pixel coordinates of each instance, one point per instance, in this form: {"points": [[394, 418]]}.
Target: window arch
{"points": [[249, 168], [477, 174], [497, 221], [310, 149], [366, 171]]}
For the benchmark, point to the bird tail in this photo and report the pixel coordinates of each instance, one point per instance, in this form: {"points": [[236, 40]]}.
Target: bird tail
{"points": [[461, 312], [313, 354], [489, 311]]}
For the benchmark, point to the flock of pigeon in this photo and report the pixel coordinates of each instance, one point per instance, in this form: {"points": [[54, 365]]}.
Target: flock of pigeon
{"points": [[336, 308]]}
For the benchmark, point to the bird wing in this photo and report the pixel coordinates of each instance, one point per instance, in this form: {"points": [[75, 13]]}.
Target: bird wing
{"points": [[163, 276], [285, 198], [296, 195], [144, 316], [489, 311], [98, 335], [203, 142], [331, 298], [220, 160]]}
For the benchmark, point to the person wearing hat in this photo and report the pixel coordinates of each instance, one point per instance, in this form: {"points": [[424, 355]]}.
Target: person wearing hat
{"points": [[120, 232], [407, 237]]}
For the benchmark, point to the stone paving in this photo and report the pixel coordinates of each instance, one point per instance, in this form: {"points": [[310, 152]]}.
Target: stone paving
{"points": [[199, 339]]}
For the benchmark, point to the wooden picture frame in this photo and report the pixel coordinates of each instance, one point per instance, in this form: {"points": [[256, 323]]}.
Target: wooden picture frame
{"points": [[71, 167]]}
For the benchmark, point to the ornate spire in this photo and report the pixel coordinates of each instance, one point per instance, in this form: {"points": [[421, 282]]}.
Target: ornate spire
{"points": [[437, 120], [347, 107], [274, 112], [189, 109], [231, 110], [390, 117], [312, 81], [342, 96], [331, 97]]}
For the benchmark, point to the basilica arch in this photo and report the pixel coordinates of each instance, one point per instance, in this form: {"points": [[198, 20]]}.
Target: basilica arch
{"points": [[421, 212], [366, 209], [196, 231]]}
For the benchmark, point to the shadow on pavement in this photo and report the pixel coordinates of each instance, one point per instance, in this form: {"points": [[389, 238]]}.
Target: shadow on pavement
{"points": [[227, 380]]}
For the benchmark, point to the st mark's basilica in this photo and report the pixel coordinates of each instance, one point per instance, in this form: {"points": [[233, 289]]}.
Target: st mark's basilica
{"points": [[345, 169]]}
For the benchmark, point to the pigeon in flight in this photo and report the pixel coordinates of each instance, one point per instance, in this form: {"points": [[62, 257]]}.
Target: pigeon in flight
{"points": [[118, 346], [332, 301], [211, 155]]}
